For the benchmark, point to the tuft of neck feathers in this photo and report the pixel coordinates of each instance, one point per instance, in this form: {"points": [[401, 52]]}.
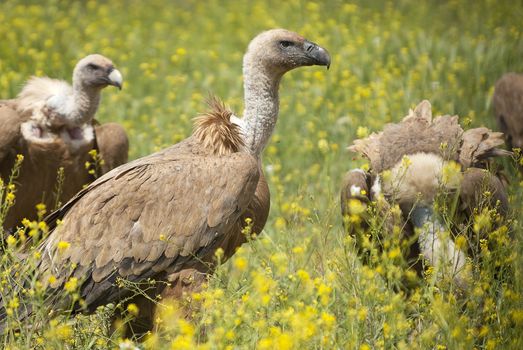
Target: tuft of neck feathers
{"points": [[261, 103], [215, 130]]}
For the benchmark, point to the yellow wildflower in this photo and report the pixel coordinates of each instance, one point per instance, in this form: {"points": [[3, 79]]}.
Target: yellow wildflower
{"points": [[71, 285], [11, 240], [133, 309], [62, 246]]}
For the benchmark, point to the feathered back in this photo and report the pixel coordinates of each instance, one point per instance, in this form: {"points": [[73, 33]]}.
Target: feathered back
{"points": [[36, 92], [418, 132], [215, 131]]}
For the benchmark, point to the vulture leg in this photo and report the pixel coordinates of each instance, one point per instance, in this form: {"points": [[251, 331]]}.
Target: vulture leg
{"points": [[181, 284], [142, 323], [481, 189], [438, 251], [113, 145]]}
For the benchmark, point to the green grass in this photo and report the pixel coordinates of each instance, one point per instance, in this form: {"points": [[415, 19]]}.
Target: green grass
{"points": [[386, 57]]}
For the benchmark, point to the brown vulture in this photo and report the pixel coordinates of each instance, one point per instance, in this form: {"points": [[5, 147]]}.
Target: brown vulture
{"points": [[508, 109], [51, 124], [162, 217], [409, 166]]}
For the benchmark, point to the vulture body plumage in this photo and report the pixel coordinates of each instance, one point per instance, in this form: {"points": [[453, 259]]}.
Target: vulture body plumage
{"points": [[51, 124], [414, 160], [162, 217], [508, 108]]}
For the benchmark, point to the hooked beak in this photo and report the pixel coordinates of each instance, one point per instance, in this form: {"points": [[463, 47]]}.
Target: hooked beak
{"points": [[115, 78], [317, 54]]}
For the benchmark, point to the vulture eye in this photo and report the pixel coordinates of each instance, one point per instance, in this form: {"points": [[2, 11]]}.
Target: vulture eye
{"points": [[285, 44], [93, 66]]}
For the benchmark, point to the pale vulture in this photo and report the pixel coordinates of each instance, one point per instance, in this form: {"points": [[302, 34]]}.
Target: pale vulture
{"points": [[508, 108], [430, 145], [163, 216], [51, 124]]}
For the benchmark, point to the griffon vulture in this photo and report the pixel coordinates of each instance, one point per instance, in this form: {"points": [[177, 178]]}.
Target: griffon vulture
{"points": [[508, 108], [430, 145], [51, 123], [162, 217]]}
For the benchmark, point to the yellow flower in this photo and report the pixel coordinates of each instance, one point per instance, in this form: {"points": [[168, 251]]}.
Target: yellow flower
{"points": [[240, 263], [51, 280], [394, 253], [451, 174], [303, 275], [133, 309], [11, 240], [219, 253], [323, 146], [71, 285], [405, 162], [64, 332], [362, 132], [10, 197], [280, 223], [356, 207], [41, 207], [186, 328], [14, 303], [461, 242], [324, 292], [62, 246], [329, 320], [284, 342], [362, 314]]}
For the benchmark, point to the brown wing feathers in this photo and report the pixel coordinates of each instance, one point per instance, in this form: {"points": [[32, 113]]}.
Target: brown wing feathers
{"points": [[418, 132], [157, 231]]}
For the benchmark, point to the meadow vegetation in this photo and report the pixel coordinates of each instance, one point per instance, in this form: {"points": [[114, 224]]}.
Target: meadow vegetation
{"points": [[301, 283]]}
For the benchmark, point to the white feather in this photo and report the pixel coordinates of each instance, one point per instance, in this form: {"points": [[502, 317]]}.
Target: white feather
{"points": [[38, 91]]}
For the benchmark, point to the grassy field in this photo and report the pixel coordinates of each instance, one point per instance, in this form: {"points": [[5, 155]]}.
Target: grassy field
{"points": [[301, 284]]}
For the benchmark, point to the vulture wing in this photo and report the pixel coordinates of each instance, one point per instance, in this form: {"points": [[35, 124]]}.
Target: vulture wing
{"points": [[149, 218], [417, 132], [508, 107], [113, 145], [10, 133], [480, 144], [37, 91]]}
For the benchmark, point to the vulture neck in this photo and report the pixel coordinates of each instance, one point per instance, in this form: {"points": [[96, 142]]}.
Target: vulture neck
{"points": [[86, 100], [261, 105]]}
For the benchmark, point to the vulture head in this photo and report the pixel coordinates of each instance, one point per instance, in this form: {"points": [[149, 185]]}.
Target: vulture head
{"points": [[96, 72], [280, 50], [56, 110]]}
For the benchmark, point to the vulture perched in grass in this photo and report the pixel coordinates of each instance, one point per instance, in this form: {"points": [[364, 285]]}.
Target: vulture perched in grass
{"points": [[162, 217], [442, 158], [508, 108], [51, 124]]}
